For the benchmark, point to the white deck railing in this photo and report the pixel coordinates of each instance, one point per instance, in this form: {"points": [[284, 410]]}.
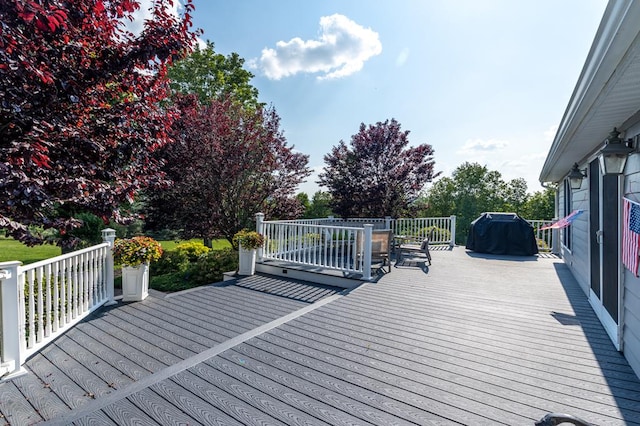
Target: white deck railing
{"points": [[439, 230], [41, 300], [342, 244], [331, 247], [544, 237]]}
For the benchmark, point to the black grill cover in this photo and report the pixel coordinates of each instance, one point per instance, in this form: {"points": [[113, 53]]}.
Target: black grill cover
{"points": [[502, 233]]}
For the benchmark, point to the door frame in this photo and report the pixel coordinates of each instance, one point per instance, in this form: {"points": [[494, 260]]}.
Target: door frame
{"points": [[608, 193]]}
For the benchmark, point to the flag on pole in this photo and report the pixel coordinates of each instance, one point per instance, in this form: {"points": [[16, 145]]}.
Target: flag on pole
{"points": [[631, 235], [565, 221]]}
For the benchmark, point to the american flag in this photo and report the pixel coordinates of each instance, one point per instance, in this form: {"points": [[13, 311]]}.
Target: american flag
{"points": [[631, 236], [565, 221]]}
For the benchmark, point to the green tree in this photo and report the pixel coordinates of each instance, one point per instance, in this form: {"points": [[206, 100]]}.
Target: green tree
{"points": [[303, 199], [516, 196], [320, 206], [472, 190], [211, 75], [540, 205], [379, 174]]}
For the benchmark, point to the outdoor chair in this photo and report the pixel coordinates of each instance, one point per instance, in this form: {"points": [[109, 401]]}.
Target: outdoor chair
{"points": [[408, 245], [380, 248]]}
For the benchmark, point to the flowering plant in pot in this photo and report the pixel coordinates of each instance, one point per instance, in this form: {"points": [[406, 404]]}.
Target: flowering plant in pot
{"points": [[248, 242], [134, 254]]}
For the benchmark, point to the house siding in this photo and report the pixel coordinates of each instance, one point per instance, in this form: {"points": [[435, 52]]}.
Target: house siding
{"points": [[577, 258], [631, 311]]}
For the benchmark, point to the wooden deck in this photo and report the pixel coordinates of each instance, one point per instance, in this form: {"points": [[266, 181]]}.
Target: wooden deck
{"points": [[473, 339]]}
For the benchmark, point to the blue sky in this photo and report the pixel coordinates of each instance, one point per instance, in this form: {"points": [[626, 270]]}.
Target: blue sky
{"points": [[481, 81]]}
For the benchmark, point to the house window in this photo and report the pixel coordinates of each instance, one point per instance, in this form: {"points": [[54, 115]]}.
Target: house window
{"points": [[566, 232]]}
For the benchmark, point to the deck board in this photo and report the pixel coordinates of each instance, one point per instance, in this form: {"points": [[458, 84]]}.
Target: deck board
{"points": [[199, 409], [370, 374], [125, 413], [227, 403], [266, 404], [318, 407], [156, 407], [16, 407], [475, 340], [318, 385]]}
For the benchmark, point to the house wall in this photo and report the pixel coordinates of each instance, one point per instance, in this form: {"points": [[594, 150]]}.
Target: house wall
{"points": [[577, 256], [631, 312]]}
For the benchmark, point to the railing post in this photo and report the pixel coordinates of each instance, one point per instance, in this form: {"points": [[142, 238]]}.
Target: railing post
{"points": [[555, 240], [387, 222], [366, 255], [109, 236], [12, 343], [260, 230], [452, 243]]}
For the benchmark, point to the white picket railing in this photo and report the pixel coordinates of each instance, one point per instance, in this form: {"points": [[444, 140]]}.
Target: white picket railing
{"points": [[342, 244], [544, 237], [439, 230], [331, 247], [41, 300]]}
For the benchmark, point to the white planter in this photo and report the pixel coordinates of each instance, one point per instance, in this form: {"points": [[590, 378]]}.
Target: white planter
{"points": [[135, 282], [247, 261]]}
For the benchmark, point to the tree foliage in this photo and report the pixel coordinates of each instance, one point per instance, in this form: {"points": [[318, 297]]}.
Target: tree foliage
{"points": [[474, 189], [379, 174], [320, 206], [228, 163], [211, 75], [80, 111]]}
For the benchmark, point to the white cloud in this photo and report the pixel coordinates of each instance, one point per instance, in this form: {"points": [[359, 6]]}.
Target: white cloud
{"points": [[402, 57], [341, 50], [481, 146]]}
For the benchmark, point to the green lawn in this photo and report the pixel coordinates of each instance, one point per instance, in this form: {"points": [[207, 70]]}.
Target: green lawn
{"points": [[14, 250]]}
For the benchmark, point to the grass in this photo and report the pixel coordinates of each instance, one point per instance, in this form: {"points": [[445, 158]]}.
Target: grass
{"points": [[14, 250], [11, 249]]}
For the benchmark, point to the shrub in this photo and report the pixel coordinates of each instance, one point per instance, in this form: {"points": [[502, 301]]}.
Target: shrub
{"points": [[174, 281], [210, 267], [170, 262], [192, 249]]}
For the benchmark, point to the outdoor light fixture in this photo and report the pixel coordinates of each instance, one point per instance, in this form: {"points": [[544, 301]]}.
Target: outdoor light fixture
{"points": [[576, 176], [613, 156]]}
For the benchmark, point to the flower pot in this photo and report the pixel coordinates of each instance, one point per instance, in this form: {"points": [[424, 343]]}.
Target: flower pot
{"points": [[135, 282], [247, 262]]}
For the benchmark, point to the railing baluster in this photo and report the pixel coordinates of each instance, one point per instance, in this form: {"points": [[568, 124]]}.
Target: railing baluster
{"points": [[48, 308], [70, 285], [56, 297], [31, 323]]}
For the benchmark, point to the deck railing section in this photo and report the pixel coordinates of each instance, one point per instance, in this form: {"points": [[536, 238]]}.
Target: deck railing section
{"points": [[330, 247], [342, 244], [439, 230], [544, 237], [41, 300]]}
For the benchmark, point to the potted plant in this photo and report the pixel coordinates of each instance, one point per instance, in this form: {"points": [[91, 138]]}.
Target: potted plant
{"points": [[134, 255], [248, 243]]}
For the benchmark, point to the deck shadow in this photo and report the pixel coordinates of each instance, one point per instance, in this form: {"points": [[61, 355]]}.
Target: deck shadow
{"points": [[291, 289], [615, 369]]}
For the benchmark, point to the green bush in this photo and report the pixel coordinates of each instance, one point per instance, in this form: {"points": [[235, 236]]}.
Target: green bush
{"points": [[174, 281], [210, 267], [192, 249], [170, 262]]}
